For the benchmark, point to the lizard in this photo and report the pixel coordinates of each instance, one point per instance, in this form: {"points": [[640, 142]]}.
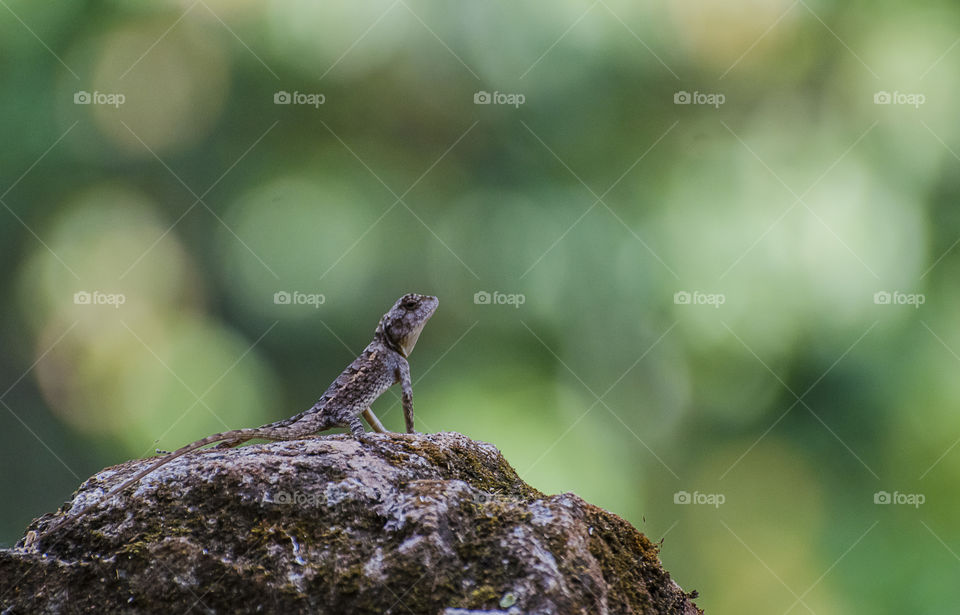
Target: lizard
{"points": [[382, 364]]}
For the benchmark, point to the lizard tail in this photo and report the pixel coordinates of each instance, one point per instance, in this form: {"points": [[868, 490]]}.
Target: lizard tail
{"points": [[217, 437]]}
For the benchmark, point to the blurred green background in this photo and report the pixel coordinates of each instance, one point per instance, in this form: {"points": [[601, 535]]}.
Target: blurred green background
{"points": [[814, 165]]}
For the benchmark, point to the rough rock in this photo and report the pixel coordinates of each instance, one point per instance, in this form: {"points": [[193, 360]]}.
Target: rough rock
{"points": [[393, 524]]}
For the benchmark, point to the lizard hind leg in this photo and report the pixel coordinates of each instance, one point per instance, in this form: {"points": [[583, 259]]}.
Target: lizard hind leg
{"points": [[230, 443], [223, 445], [374, 422]]}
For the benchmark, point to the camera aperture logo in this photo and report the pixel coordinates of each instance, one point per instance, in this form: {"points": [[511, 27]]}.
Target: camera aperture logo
{"points": [[299, 98], [84, 297], [296, 498], [283, 297], [899, 98], [483, 498], [909, 499], [112, 99], [883, 297], [709, 499], [498, 98], [683, 297], [482, 297], [714, 99]]}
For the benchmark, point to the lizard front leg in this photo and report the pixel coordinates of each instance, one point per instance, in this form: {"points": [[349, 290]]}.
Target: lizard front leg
{"points": [[356, 427], [403, 373]]}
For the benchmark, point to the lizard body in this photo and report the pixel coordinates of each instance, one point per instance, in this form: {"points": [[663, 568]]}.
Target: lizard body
{"points": [[382, 364]]}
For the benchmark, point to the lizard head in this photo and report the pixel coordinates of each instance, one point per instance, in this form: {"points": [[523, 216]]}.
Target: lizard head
{"points": [[400, 328]]}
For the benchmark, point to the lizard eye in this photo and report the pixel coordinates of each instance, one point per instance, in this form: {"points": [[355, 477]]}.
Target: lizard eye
{"points": [[410, 304]]}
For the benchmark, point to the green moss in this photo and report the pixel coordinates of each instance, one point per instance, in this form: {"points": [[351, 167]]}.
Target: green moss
{"points": [[149, 539], [482, 597], [630, 562], [469, 466]]}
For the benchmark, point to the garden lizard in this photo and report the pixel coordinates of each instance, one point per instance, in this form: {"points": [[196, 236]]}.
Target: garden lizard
{"points": [[382, 364]]}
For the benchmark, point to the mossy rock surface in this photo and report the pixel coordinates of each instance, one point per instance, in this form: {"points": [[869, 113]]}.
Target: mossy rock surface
{"points": [[397, 523]]}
